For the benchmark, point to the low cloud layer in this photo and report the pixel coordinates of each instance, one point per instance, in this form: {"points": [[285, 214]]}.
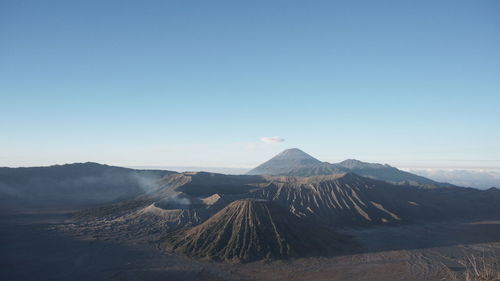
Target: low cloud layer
{"points": [[477, 178], [272, 139]]}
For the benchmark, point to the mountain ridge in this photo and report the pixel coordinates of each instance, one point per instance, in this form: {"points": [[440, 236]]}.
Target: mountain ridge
{"points": [[302, 165]]}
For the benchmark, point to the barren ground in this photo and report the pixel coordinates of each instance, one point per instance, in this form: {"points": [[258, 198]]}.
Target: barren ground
{"points": [[31, 250]]}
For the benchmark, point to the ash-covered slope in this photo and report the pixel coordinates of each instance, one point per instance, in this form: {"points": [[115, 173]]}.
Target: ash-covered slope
{"points": [[351, 200], [250, 229], [202, 184], [337, 200]]}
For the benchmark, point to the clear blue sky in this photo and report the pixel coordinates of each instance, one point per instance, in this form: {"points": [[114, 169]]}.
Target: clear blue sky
{"points": [[409, 83]]}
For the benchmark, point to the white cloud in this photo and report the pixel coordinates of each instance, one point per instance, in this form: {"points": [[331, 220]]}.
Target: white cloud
{"points": [[272, 139]]}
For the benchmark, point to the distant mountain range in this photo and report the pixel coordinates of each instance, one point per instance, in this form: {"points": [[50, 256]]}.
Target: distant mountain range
{"points": [[295, 162], [85, 184]]}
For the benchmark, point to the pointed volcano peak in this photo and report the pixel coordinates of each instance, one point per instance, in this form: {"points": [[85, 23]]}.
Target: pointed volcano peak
{"points": [[285, 162], [295, 153]]}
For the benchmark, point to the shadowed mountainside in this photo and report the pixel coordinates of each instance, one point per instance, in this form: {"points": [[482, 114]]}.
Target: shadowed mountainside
{"points": [[350, 200], [71, 185]]}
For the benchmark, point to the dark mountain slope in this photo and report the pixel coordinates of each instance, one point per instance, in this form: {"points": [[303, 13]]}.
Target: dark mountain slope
{"points": [[182, 193], [202, 184], [73, 184], [349, 199], [248, 230]]}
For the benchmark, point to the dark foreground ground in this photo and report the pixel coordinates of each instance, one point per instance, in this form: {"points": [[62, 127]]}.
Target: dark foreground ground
{"points": [[30, 250]]}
